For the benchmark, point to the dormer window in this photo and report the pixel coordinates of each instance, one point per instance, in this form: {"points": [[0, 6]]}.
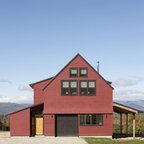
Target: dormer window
{"points": [[83, 72], [73, 72]]}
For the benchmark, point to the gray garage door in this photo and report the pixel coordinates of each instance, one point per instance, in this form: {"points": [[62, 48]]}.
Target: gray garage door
{"points": [[66, 125]]}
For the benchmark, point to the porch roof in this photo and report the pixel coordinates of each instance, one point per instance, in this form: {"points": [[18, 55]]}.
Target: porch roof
{"points": [[32, 106], [120, 108]]}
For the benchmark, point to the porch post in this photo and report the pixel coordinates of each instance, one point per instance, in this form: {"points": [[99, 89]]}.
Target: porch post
{"points": [[120, 123], [133, 126], [126, 123]]}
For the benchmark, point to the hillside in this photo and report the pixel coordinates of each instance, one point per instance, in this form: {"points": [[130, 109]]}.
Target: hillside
{"points": [[6, 108], [135, 104]]}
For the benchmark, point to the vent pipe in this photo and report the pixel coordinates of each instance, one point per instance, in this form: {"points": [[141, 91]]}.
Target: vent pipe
{"points": [[98, 66]]}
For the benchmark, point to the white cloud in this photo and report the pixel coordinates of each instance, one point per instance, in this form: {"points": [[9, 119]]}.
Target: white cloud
{"points": [[2, 80], [130, 94], [126, 82], [24, 88], [17, 99]]}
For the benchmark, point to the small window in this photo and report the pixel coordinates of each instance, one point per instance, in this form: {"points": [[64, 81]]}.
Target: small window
{"points": [[83, 88], [73, 87], [73, 72], [87, 87], [83, 72], [65, 88], [91, 119], [69, 87], [91, 88]]}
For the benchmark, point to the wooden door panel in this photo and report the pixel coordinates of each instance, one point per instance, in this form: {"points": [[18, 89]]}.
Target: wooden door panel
{"points": [[39, 125]]}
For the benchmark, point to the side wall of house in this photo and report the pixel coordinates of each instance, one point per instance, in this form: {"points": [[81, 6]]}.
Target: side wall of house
{"points": [[20, 123], [38, 92], [49, 125]]}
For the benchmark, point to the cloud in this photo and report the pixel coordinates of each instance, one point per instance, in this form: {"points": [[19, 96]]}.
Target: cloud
{"points": [[126, 82], [17, 99], [130, 94], [24, 88], [2, 80]]}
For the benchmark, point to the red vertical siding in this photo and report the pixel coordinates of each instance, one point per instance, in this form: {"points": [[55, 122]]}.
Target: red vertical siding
{"points": [[55, 103], [49, 125], [38, 92], [20, 123], [105, 130]]}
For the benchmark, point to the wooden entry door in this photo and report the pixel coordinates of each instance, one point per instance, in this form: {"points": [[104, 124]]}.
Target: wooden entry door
{"points": [[39, 125]]}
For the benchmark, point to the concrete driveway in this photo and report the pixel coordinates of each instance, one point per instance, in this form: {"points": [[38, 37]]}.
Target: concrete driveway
{"points": [[6, 139]]}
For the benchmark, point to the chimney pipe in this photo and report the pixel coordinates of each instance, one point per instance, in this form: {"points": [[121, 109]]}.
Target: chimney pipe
{"points": [[98, 66]]}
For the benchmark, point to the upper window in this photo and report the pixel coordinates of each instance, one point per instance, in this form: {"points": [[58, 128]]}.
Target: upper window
{"points": [[73, 72], [83, 72], [69, 87], [87, 87], [91, 119]]}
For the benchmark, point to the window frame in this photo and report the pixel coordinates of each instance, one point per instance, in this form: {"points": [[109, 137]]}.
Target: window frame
{"points": [[70, 72], [91, 120], [80, 72], [69, 87], [87, 87]]}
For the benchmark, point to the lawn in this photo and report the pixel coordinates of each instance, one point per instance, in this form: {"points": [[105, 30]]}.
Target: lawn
{"points": [[112, 141]]}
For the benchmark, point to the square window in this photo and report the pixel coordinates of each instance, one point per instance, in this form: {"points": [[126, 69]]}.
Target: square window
{"points": [[73, 72], [69, 87], [87, 87], [83, 72], [65, 84]]}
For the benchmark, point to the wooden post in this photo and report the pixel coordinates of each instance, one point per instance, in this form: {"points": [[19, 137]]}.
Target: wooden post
{"points": [[133, 126], [120, 123], [127, 124]]}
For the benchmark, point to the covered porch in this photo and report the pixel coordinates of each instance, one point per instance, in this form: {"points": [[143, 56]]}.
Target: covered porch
{"points": [[126, 110]]}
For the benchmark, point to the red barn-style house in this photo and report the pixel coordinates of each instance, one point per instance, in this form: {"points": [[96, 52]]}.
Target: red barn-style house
{"points": [[78, 101]]}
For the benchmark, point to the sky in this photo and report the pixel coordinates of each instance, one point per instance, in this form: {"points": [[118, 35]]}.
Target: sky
{"points": [[39, 37]]}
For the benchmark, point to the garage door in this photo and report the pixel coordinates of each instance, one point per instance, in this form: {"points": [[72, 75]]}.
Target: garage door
{"points": [[66, 125]]}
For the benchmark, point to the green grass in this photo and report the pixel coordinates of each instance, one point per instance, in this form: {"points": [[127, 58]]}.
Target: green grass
{"points": [[112, 141]]}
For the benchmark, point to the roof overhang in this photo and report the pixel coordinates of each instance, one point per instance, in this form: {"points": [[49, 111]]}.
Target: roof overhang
{"points": [[32, 106], [120, 108]]}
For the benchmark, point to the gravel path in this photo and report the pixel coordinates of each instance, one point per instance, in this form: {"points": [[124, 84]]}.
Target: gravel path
{"points": [[42, 140]]}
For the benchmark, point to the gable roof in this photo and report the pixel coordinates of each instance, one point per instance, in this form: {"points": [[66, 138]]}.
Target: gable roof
{"points": [[107, 82], [32, 84]]}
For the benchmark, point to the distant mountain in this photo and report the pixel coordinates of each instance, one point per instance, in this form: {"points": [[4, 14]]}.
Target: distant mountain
{"points": [[6, 108], [135, 104]]}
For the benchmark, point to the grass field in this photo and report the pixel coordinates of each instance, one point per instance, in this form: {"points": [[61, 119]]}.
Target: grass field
{"points": [[112, 141]]}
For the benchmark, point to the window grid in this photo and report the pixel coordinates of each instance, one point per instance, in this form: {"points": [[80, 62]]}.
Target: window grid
{"points": [[91, 119], [71, 90], [89, 90]]}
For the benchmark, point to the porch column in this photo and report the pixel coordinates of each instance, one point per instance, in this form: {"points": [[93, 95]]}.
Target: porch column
{"points": [[126, 123], [120, 123], [133, 126]]}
